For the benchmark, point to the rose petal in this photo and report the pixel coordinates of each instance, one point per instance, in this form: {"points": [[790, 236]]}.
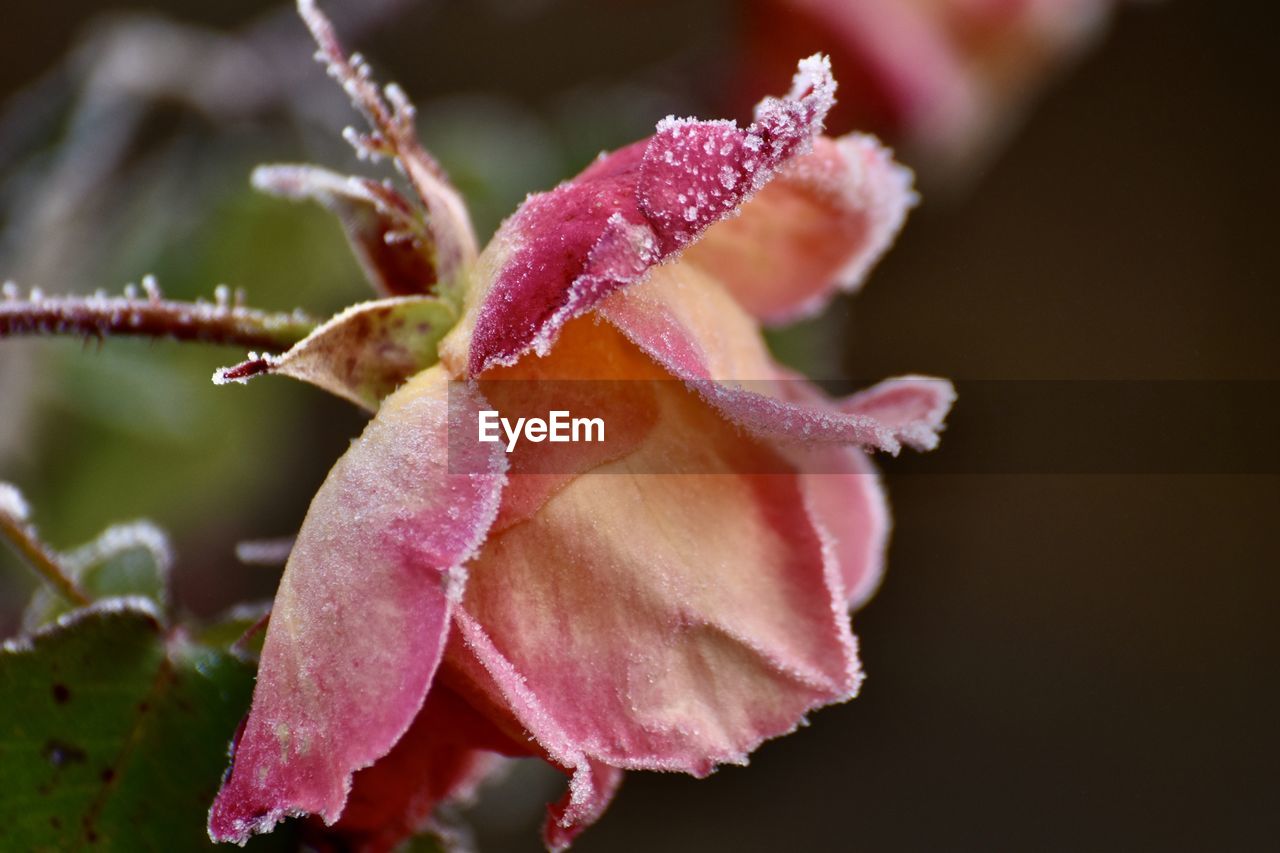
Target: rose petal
{"points": [[822, 224], [362, 354], [387, 235], [915, 407], [589, 794], [844, 492], [502, 689], [449, 749], [660, 620], [361, 615], [565, 250], [689, 324]]}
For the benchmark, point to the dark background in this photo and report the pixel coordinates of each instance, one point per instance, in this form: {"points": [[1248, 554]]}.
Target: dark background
{"points": [[1056, 662]]}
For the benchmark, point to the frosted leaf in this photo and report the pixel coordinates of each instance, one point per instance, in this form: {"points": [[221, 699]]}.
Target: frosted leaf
{"points": [[386, 233], [132, 559], [115, 540], [362, 354]]}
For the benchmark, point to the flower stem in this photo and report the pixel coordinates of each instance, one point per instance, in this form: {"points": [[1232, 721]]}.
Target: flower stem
{"points": [[22, 537], [152, 317]]}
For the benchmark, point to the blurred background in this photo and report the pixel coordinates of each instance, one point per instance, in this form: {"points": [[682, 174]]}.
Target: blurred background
{"points": [[1056, 661]]}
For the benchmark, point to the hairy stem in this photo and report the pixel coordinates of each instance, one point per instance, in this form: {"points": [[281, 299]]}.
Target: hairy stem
{"points": [[153, 317], [22, 537]]}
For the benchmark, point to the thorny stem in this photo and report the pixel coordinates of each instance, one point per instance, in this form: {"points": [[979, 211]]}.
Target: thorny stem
{"points": [[152, 317], [22, 537]]}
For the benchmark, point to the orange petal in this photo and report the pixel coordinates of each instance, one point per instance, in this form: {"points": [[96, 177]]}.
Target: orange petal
{"points": [[660, 620]]}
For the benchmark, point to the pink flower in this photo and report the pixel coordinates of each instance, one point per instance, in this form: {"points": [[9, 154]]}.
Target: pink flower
{"points": [[943, 77], [446, 602]]}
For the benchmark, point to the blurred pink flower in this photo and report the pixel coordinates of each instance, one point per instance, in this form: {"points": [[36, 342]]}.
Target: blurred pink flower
{"points": [[944, 78], [447, 603]]}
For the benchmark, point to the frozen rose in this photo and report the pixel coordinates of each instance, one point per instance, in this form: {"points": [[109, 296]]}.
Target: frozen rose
{"points": [[449, 602]]}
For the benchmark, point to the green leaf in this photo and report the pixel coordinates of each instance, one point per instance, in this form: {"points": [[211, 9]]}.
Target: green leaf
{"points": [[114, 733], [125, 560]]}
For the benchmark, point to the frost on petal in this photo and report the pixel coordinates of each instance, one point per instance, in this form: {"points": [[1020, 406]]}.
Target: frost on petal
{"points": [[662, 621], [386, 233], [845, 495], [362, 354], [687, 322], [590, 792], [361, 615], [445, 754], [494, 682], [914, 406], [821, 225], [565, 250]]}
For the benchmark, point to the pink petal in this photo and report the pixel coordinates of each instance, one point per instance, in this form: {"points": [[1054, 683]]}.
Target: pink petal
{"points": [[945, 77], [846, 498], [822, 224], [449, 749], [361, 615], [592, 784], [565, 250], [662, 621], [590, 792], [387, 235], [914, 406]]}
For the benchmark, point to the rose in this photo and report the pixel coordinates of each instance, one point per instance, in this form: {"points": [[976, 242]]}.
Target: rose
{"points": [[666, 603]]}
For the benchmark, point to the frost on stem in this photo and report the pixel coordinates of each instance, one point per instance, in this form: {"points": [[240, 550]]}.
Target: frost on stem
{"points": [[224, 321], [22, 537], [392, 134], [12, 504]]}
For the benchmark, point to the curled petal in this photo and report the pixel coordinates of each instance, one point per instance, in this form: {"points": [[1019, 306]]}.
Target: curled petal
{"points": [[386, 233], [364, 353], [368, 591], [686, 322], [449, 749], [502, 689], [591, 789], [821, 225], [567, 249], [915, 407], [845, 495]]}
